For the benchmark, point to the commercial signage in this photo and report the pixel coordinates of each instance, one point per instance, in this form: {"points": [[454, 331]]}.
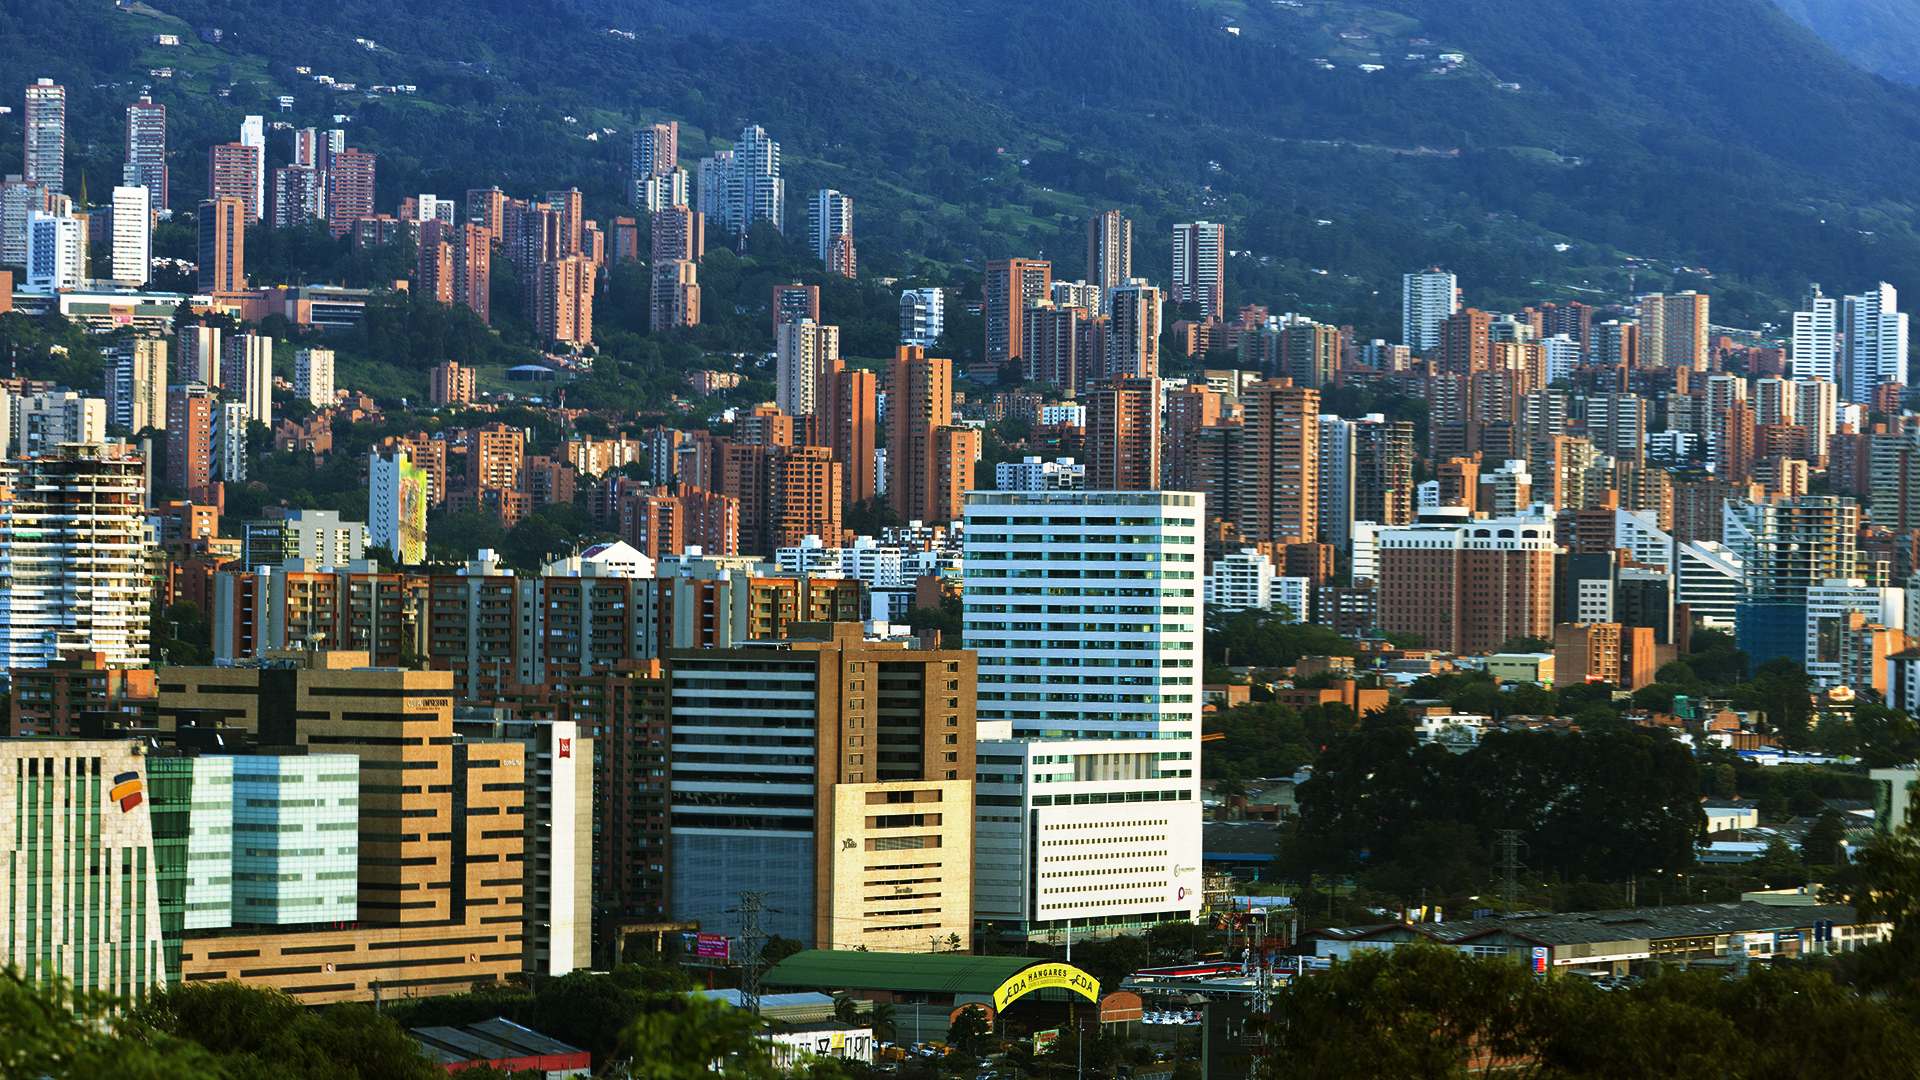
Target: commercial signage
{"points": [[710, 946], [1038, 976], [1539, 959]]}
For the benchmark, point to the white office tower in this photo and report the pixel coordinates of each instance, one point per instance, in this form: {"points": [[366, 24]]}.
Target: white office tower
{"points": [[803, 350], [253, 132], [1828, 605], [1426, 298], [132, 235], [829, 217], [56, 251], [1814, 348], [1336, 481], [313, 376], [230, 420], [1086, 612], [922, 316], [246, 374], [73, 558], [1874, 332], [1240, 580], [136, 379]]}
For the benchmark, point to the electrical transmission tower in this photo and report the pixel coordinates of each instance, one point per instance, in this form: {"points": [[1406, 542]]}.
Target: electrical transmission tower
{"points": [[1510, 867], [751, 939]]}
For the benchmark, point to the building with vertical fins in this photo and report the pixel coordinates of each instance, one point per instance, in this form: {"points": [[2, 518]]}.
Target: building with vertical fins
{"points": [[147, 149]]}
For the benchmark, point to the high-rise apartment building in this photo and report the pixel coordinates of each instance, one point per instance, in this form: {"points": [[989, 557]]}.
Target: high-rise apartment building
{"points": [[231, 168], [1673, 330], [805, 355], [1133, 331], [147, 149], [1123, 449], [223, 230], [1382, 474], [136, 380], [656, 152], [851, 428], [741, 186], [190, 433], [487, 208], [1874, 332], [450, 384], [73, 556], [829, 218], [675, 294], [679, 233], [253, 133], [313, 376], [246, 374], [456, 265], [1426, 298], [350, 188], [1467, 584], [1200, 268], [1012, 286], [19, 200], [56, 250], [1109, 253], [1275, 471], [132, 235], [1062, 346], [298, 197], [1094, 723], [563, 300], [1617, 425], [928, 460], [1465, 345], [46, 129], [1814, 348], [45, 420]]}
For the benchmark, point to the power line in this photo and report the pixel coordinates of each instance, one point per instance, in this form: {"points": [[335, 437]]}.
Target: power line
{"points": [[751, 940]]}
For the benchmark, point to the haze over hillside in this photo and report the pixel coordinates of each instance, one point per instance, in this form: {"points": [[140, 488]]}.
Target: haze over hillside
{"points": [[1882, 36]]}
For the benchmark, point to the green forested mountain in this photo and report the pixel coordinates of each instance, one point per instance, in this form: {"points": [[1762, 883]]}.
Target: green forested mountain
{"points": [[1712, 134], [1882, 36]]}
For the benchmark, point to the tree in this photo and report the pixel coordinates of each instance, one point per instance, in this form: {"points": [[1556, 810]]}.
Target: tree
{"points": [[48, 1030], [1822, 844], [971, 1032], [1525, 644]]}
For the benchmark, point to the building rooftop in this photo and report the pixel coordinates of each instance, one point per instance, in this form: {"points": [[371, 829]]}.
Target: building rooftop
{"points": [[1577, 927], [932, 973]]}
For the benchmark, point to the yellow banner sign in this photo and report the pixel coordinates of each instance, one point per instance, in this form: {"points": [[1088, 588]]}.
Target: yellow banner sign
{"points": [[1043, 975]]}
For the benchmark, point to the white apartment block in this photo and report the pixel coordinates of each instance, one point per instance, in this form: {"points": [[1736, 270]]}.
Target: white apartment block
{"points": [[1240, 580], [1086, 610], [73, 552], [1051, 415], [1039, 474], [132, 235], [40, 422], [1295, 594], [1426, 298], [313, 376]]}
